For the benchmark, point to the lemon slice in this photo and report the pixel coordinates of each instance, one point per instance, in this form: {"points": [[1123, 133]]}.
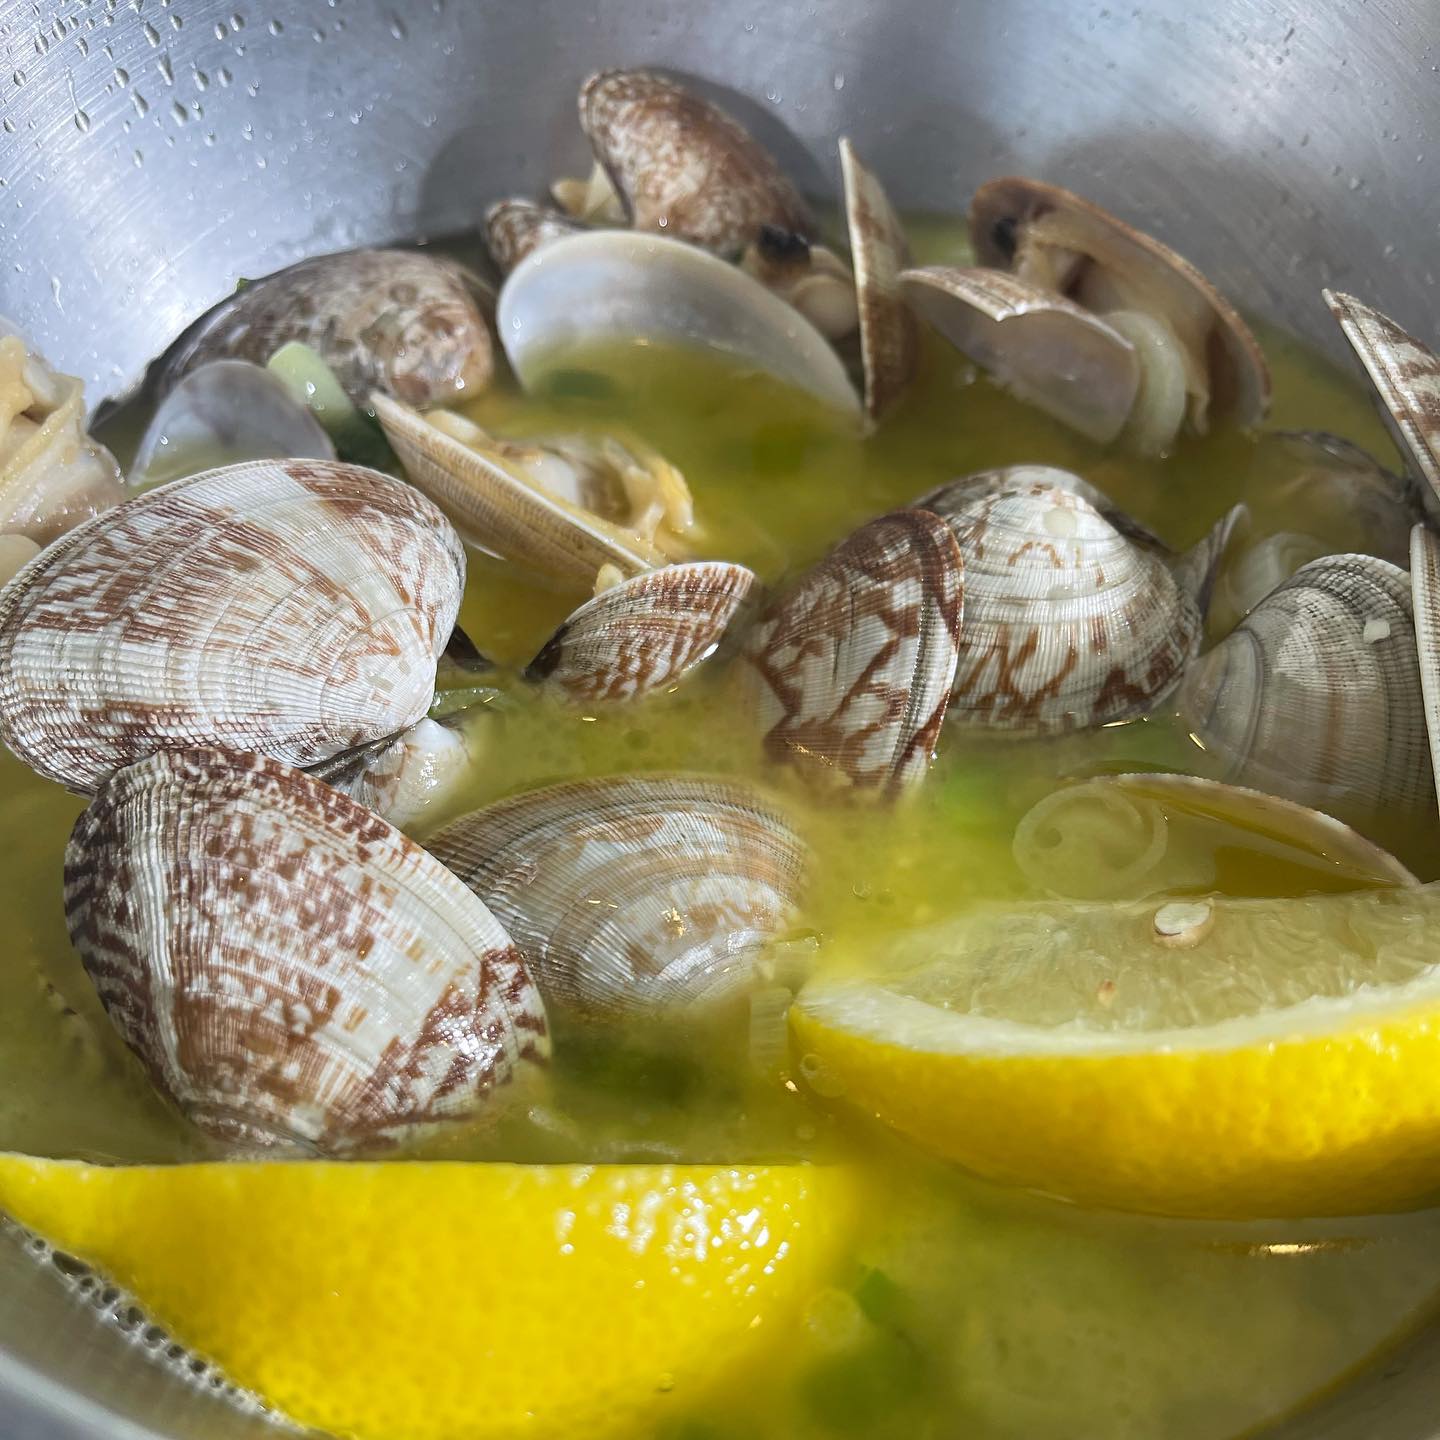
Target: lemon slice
{"points": [[436, 1301], [1204, 1057]]}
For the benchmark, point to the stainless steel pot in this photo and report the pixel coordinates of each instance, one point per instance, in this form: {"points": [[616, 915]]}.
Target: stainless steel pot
{"points": [[154, 151]]}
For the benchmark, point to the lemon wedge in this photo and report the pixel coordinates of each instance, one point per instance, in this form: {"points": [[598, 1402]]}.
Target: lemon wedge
{"points": [[437, 1301], [1209, 1057]]}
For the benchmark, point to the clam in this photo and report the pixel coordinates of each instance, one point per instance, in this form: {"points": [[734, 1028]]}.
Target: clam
{"points": [[1049, 237], [563, 506], [1124, 837], [1406, 377], [682, 166], [515, 228], [222, 413], [633, 894], [52, 474], [1074, 616], [614, 288], [1316, 695], [849, 670], [291, 607], [889, 345], [645, 633], [811, 279], [1425, 580], [294, 973], [1050, 352], [399, 321]]}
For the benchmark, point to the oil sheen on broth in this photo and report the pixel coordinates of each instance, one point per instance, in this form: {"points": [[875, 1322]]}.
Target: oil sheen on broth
{"points": [[965, 1309]]}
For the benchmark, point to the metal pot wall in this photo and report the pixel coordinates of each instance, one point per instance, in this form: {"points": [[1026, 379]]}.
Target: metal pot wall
{"points": [[155, 151]]}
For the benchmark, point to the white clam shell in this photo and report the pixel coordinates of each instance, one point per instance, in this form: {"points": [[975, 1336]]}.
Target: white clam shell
{"points": [[634, 894], [1425, 580], [293, 971], [613, 287], [291, 607], [849, 670], [1074, 616], [644, 634], [223, 413], [1316, 694]]}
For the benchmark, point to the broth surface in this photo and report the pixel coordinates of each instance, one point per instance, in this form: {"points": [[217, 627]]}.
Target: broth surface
{"points": [[965, 1309]]}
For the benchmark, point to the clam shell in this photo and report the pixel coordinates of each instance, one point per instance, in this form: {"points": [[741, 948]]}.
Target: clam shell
{"points": [[1425, 580], [889, 342], [1406, 377], [682, 165], [645, 633], [633, 894], [1316, 694], [52, 474], [291, 607], [220, 414], [1049, 352], [515, 228], [1074, 617], [293, 972], [495, 506], [849, 670], [612, 287], [399, 321], [1104, 259]]}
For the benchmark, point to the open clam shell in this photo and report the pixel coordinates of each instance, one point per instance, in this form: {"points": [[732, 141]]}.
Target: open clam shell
{"points": [[849, 670], [682, 165], [1316, 694], [645, 633], [1049, 236], [889, 343], [291, 607], [1074, 616], [516, 228], [1425, 582], [294, 973], [524, 501], [634, 894], [400, 321], [613, 287], [223, 413], [1406, 377], [1049, 352]]}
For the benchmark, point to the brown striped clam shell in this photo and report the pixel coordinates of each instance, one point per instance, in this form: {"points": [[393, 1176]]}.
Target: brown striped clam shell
{"points": [[684, 167], [1074, 616], [1406, 376], [294, 973], [516, 228], [849, 670], [1425, 591], [1316, 694], [644, 634], [291, 607], [400, 321], [889, 339], [1047, 351], [1051, 237], [634, 894]]}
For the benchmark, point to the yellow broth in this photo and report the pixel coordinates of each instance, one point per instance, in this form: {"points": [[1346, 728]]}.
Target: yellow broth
{"points": [[964, 1309]]}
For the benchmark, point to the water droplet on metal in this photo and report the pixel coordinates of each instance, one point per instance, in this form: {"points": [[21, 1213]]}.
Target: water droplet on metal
{"points": [[221, 30], [180, 113], [141, 104], [397, 28], [223, 76], [122, 75], [275, 28], [18, 77], [237, 22], [150, 33], [138, 158], [202, 80], [838, 80], [176, 22], [166, 69]]}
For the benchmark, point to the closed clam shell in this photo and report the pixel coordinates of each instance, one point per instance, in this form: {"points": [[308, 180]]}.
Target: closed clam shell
{"points": [[1406, 376], [1051, 236], [515, 228], [398, 321], [1316, 694], [1049, 352], [1074, 617], [849, 670], [291, 607], [889, 341], [633, 894], [614, 287], [682, 165], [645, 633], [294, 973]]}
